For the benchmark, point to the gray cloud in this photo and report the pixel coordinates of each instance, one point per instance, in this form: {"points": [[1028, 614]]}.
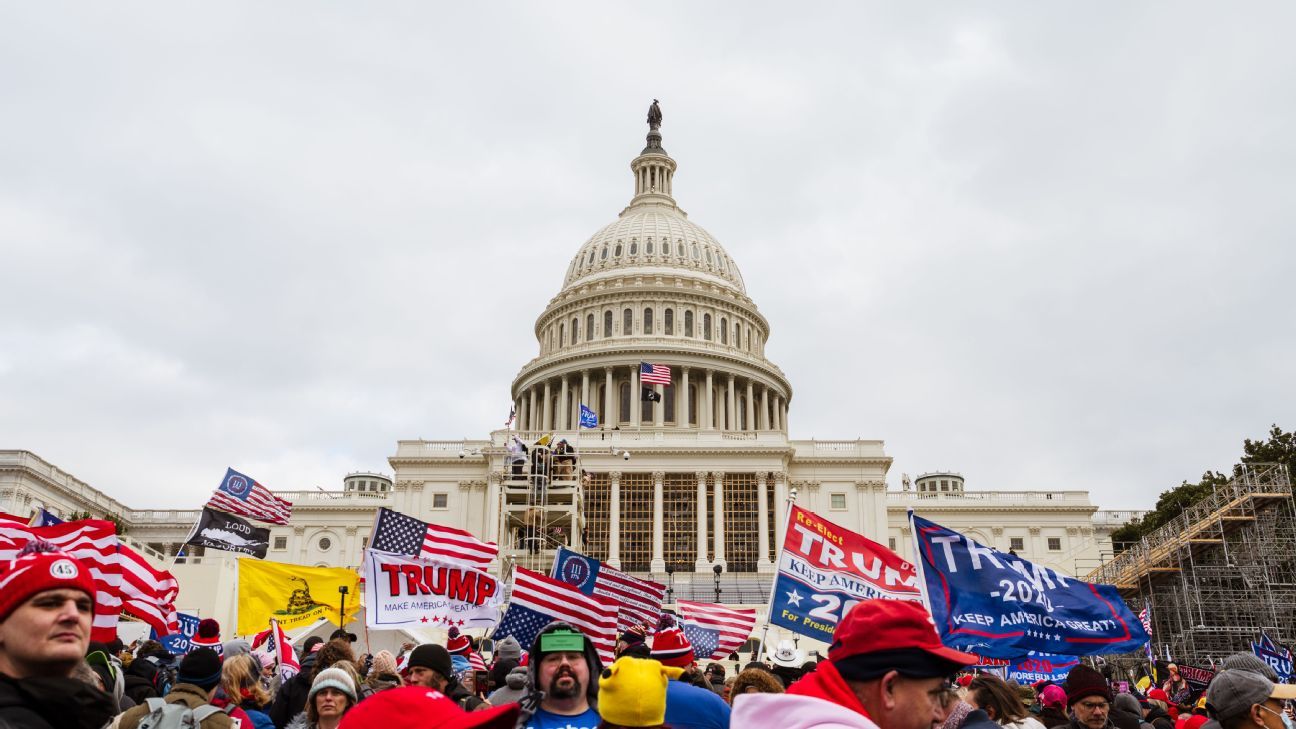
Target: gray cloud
{"points": [[1047, 246]]}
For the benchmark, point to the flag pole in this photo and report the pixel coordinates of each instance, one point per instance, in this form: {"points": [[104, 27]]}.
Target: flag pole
{"points": [[918, 563], [769, 605], [192, 530]]}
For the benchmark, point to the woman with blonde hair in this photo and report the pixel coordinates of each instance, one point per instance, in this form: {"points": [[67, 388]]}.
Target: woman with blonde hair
{"points": [[755, 681], [241, 683]]}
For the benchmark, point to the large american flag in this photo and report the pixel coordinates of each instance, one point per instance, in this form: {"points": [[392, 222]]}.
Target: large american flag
{"points": [[147, 592], [537, 600], [715, 630], [400, 534], [241, 495], [91, 542], [639, 601], [654, 374]]}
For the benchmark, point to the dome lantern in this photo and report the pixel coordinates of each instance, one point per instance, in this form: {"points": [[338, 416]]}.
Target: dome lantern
{"points": [[654, 170]]}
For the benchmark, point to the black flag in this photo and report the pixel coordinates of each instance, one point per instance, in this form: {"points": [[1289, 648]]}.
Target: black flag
{"points": [[218, 530], [651, 395]]}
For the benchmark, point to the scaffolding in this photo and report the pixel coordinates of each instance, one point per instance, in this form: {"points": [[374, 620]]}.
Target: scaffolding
{"points": [[542, 503], [1221, 572]]}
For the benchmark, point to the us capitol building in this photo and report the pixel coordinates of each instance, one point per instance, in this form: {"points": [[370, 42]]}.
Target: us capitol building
{"points": [[690, 488]]}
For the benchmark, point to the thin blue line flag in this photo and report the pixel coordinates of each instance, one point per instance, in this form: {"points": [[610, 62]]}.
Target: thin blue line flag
{"points": [[997, 604], [588, 418]]}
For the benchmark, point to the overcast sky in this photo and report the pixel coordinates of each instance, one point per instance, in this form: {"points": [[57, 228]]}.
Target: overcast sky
{"points": [[1048, 246]]}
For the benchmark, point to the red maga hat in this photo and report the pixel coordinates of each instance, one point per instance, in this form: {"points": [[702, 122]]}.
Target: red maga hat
{"points": [[877, 636], [418, 707]]}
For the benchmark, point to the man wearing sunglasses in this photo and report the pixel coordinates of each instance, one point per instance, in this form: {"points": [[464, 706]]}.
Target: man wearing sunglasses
{"points": [[1238, 698]]}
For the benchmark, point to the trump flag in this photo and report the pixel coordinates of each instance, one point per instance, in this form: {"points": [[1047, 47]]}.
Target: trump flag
{"points": [[824, 570], [997, 604]]}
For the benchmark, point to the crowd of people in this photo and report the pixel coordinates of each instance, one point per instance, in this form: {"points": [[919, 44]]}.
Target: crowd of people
{"points": [[886, 669]]}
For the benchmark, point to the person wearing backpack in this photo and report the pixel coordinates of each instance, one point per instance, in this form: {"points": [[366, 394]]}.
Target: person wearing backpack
{"points": [[189, 700]]}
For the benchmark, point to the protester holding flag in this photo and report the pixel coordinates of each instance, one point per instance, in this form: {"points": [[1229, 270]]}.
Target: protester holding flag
{"points": [[565, 666], [46, 611]]}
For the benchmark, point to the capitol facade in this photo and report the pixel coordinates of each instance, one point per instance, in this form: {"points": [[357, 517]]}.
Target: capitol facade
{"points": [[687, 483]]}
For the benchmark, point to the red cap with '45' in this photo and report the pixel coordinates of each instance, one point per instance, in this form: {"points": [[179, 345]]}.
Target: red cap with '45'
{"points": [[37, 568]]}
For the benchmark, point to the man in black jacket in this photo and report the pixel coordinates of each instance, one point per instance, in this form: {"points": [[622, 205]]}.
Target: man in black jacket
{"points": [[46, 610]]}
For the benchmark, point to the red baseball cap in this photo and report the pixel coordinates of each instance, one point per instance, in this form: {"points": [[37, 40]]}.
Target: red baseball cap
{"points": [[877, 636], [418, 707]]}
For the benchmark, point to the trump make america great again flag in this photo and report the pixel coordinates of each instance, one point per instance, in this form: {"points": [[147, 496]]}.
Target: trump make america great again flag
{"points": [[400, 534], [997, 604], [241, 495]]}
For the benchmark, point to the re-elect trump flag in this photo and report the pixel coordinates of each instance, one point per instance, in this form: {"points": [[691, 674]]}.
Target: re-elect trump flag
{"points": [[296, 596], [409, 592], [998, 604], [824, 570]]}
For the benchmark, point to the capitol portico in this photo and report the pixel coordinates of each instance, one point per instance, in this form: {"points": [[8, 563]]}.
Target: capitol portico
{"points": [[695, 479]]}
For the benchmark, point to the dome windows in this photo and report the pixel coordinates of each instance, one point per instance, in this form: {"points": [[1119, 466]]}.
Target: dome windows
{"points": [[724, 330], [617, 252], [679, 249], [708, 256], [634, 247], [648, 247], [688, 324], [575, 323], [648, 321], [695, 251], [706, 327], [668, 321], [562, 335], [627, 322], [603, 253], [589, 327], [607, 323]]}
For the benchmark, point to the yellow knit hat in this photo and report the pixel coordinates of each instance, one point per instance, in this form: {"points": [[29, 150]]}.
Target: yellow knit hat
{"points": [[633, 692]]}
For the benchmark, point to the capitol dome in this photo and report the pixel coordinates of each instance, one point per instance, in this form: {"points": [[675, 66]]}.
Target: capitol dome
{"points": [[652, 287]]}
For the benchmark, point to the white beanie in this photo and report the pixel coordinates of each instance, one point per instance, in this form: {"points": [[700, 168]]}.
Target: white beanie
{"points": [[334, 678]]}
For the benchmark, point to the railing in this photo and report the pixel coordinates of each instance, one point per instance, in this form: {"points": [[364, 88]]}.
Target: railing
{"points": [[1065, 498], [332, 496], [674, 345], [1155, 548], [177, 517], [839, 448], [74, 486]]}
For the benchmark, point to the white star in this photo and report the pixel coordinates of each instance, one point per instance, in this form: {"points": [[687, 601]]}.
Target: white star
{"points": [[793, 598]]}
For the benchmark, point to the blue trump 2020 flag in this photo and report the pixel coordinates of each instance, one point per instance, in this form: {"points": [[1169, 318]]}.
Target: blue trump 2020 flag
{"points": [[997, 604], [588, 418]]}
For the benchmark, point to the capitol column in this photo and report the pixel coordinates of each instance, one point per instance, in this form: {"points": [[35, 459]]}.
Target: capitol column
{"points": [[703, 564], [780, 508], [682, 416], [751, 407], [658, 565], [708, 399], [731, 402], [636, 417], [762, 523], [614, 521], [584, 396], [778, 422], [546, 424], [564, 408], [764, 416], [659, 408], [608, 417], [531, 411], [719, 547], [493, 508]]}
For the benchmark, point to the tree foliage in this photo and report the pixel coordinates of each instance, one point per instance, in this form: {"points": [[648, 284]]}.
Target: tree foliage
{"points": [[1279, 447], [116, 520]]}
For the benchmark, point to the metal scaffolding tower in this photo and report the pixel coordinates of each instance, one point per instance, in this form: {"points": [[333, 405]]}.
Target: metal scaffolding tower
{"points": [[1220, 572], [541, 507]]}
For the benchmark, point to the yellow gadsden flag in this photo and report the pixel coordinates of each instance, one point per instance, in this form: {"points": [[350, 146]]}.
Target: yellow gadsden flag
{"points": [[296, 596]]}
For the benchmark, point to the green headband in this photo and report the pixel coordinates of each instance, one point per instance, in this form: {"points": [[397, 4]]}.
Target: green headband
{"points": [[561, 642]]}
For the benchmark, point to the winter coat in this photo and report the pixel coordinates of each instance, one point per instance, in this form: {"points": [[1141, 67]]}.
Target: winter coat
{"points": [[147, 679], [1158, 718], [1051, 717], [377, 683], [52, 703], [290, 699], [1074, 723], [466, 700], [260, 719], [789, 711], [978, 719], [827, 684], [1125, 712], [1029, 722], [514, 688], [508, 654], [183, 693]]}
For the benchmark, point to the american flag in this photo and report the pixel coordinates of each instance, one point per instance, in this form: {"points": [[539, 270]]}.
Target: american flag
{"points": [[400, 534], [1145, 617], [654, 374], [238, 494], [278, 645], [91, 542], [715, 630], [148, 593], [537, 601], [639, 601]]}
